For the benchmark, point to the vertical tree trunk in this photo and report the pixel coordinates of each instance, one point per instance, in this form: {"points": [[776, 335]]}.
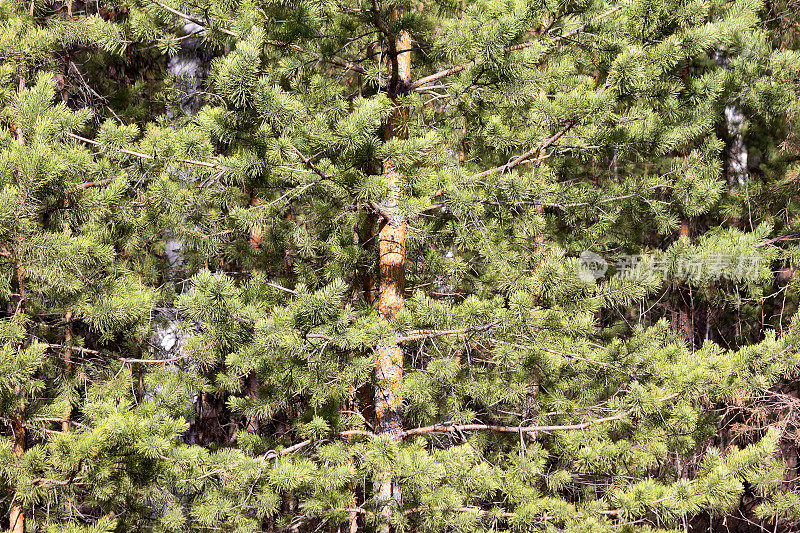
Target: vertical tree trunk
{"points": [[389, 367], [392, 257], [684, 322], [16, 515], [67, 360], [256, 239]]}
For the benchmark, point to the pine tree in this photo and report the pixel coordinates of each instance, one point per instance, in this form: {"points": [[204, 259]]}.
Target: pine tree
{"points": [[382, 312]]}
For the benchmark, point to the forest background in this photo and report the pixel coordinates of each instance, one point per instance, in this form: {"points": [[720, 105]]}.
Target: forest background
{"points": [[431, 265]]}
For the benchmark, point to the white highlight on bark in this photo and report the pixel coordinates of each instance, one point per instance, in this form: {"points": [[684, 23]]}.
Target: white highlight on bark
{"points": [[189, 67], [737, 150]]}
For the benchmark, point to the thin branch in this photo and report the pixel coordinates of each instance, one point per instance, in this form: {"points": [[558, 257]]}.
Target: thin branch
{"points": [[458, 68], [98, 183], [448, 427], [382, 210], [286, 451], [430, 333], [347, 65], [420, 334], [272, 454], [141, 155], [525, 158], [194, 20], [310, 164], [465, 509], [353, 432], [284, 289], [76, 348], [123, 359], [155, 361]]}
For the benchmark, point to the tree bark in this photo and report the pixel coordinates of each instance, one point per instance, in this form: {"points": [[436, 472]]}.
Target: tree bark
{"points": [[256, 239], [16, 515], [684, 321], [392, 258], [67, 360]]}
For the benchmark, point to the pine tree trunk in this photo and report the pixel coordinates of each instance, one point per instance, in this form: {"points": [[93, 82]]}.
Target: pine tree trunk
{"points": [[67, 360], [256, 239], [16, 515], [392, 257], [685, 319]]}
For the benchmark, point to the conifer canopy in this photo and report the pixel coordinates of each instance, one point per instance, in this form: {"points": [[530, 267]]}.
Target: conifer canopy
{"points": [[399, 266]]}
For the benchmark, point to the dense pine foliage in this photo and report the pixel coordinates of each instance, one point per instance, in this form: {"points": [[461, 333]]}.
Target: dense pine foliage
{"points": [[430, 265]]}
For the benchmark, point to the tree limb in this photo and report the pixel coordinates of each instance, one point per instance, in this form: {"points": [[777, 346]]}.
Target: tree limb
{"points": [[141, 155], [458, 68], [429, 333], [525, 158], [447, 427], [193, 20]]}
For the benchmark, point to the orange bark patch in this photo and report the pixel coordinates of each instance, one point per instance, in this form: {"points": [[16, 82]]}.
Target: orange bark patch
{"points": [[256, 232]]}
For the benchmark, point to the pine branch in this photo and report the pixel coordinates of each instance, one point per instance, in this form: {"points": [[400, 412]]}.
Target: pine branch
{"points": [[157, 361], [448, 427], [384, 211], [98, 183], [123, 359], [310, 164], [458, 68], [194, 20], [465, 509], [204, 25], [284, 289], [420, 334], [272, 454], [75, 348], [141, 155], [525, 158], [347, 65], [430, 333]]}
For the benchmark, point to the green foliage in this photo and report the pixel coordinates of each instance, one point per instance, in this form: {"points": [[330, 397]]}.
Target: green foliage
{"points": [[189, 264]]}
